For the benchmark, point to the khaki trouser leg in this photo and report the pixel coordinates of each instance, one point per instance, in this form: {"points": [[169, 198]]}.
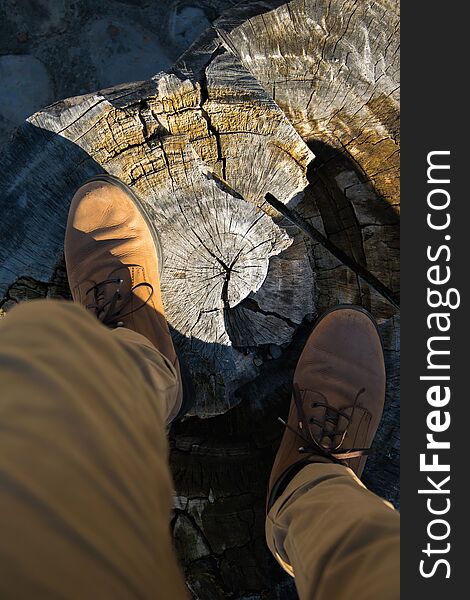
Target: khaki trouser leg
{"points": [[339, 540], [85, 489]]}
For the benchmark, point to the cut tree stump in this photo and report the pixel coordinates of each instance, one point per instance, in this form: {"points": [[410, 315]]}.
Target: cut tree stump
{"points": [[268, 159]]}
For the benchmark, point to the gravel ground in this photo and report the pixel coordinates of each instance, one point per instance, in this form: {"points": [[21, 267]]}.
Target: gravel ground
{"points": [[54, 49]]}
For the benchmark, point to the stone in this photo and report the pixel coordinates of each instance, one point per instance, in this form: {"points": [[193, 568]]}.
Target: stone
{"points": [[123, 51], [186, 23], [26, 87]]}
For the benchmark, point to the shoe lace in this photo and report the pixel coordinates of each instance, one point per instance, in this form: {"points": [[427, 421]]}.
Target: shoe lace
{"points": [[332, 416], [110, 312]]}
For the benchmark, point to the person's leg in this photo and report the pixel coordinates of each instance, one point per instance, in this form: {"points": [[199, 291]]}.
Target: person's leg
{"points": [[336, 537], [150, 360], [85, 489], [323, 526]]}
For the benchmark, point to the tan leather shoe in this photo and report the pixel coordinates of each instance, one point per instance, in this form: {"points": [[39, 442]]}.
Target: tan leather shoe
{"points": [[113, 259], [338, 397]]}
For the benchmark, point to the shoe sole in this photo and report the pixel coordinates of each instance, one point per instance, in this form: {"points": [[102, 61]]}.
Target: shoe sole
{"points": [[188, 395]]}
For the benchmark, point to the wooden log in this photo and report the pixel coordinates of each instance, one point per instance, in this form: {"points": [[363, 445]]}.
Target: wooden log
{"points": [[185, 145], [333, 67], [351, 125]]}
